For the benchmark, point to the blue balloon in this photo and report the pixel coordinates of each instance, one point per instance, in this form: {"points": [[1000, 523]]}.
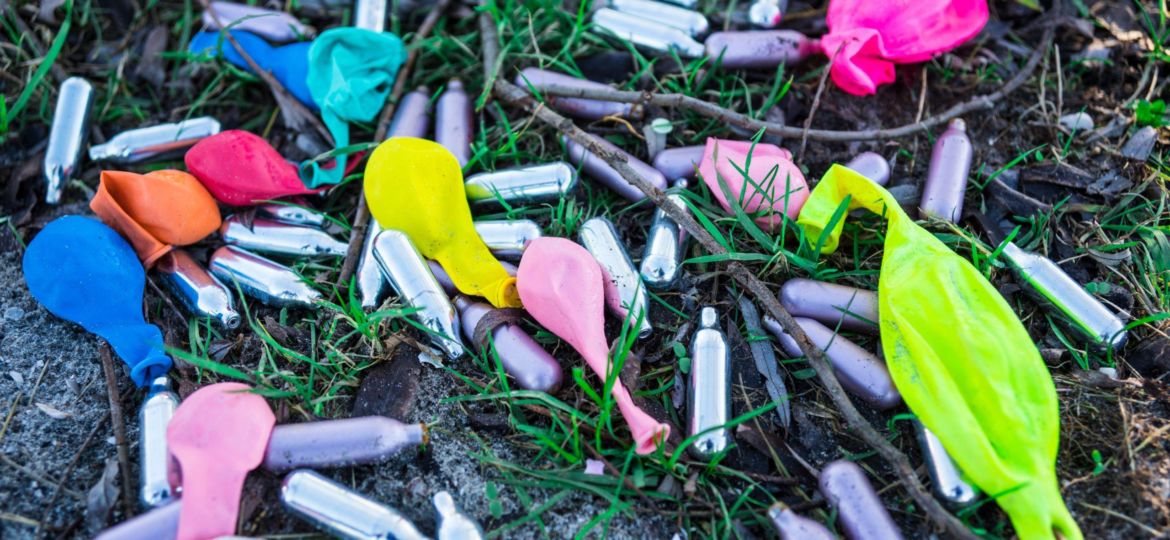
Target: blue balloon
{"points": [[83, 271], [288, 63]]}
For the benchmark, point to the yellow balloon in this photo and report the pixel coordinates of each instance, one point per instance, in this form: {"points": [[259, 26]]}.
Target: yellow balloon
{"points": [[416, 186]]}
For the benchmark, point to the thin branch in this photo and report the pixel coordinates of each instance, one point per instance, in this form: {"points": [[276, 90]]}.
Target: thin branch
{"points": [[118, 420], [361, 220], [282, 94], [710, 110]]}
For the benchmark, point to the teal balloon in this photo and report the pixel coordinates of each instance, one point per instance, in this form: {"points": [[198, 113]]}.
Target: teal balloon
{"points": [[351, 72], [83, 271]]}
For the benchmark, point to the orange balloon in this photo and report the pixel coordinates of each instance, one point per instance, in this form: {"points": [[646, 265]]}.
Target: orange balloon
{"points": [[156, 211]]}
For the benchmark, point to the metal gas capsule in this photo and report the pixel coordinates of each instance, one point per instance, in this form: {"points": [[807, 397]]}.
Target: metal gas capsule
{"points": [[67, 136], [154, 460], [370, 15], [454, 122], [542, 183], [275, 238], [292, 214], [342, 512], [507, 238], [854, 309], [646, 33], [690, 21], [372, 286], [1073, 306], [871, 165], [520, 355], [199, 291], [709, 391], [793, 526], [761, 49], [585, 109], [679, 162], [408, 274], [453, 523], [143, 144], [600, 171], [860, 372], [449, 286], [631, 300], [340, 443], [412, 118], [948, 482], [665, 245], [262, 279], [946, 180], [860, 512]]}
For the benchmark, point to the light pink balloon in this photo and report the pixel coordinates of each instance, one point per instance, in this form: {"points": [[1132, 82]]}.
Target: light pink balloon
{"points": [[774, 179], [218, 434], [872, 36], [561, 286]]}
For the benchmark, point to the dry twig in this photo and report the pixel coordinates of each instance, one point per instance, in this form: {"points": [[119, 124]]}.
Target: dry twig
{"points": [[119, 423], [361, 220]]}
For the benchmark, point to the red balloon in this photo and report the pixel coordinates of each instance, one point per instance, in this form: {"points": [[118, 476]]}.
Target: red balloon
{"points": [[240, 168]]}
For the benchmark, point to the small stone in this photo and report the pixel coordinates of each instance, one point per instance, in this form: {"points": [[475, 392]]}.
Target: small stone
{"points": [[594, 467], [1079, 122], [14, 314], [1109, 372], [1140, 144]]}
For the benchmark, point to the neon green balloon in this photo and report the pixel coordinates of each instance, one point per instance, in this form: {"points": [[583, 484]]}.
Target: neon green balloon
{"points": [[961, 359]]}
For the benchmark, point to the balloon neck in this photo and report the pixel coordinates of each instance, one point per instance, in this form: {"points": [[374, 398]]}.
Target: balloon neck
{"points": [[1038, 512]]}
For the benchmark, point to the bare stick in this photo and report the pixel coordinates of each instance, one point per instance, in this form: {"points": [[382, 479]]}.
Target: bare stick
{"points": [[282, 94], [119, 423], [978, 103], [361, 220]]}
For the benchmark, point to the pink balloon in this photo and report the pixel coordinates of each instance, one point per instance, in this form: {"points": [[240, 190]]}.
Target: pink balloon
{"points": [[561, 286], [218, 434], [774, 179], [872, 36]]}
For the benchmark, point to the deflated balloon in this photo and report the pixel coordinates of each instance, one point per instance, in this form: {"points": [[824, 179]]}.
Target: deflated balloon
{"points": [[563, 289], [155, 211], [960, 357], [773, 185], [416, 186], [351, 71], [289, 64], [82, 271], [240, 169], [217, 435], [873, 36]]}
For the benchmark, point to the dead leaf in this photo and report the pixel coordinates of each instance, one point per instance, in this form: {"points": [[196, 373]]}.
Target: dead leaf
{"points": [[52, 411], [102, 497], [150, 66]]}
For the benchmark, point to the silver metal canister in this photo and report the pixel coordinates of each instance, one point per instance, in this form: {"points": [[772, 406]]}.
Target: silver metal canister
{"points": [[143, 144], [508, 238], [647, 33], [292, 214], [408, 273], [275, 238], [690, 21], [709, 392], [631, 300], [453, 523], [1073, 306], [199, 291], [546, 182], [666, 244], [67, 136], [153, 459], [949, 485], [372, 286], [342, 512], [262, 279], [370, 15]]}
